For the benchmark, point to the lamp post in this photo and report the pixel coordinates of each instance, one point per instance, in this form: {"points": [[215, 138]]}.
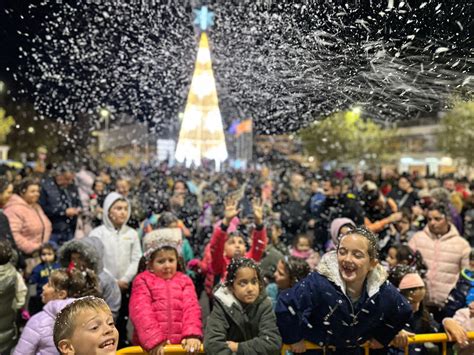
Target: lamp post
{"points": [[105, 115]]}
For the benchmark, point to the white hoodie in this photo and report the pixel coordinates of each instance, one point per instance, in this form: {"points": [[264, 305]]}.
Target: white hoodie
{"points": [[122, 250]]}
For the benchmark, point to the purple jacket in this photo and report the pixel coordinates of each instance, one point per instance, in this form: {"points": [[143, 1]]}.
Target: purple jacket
{"points": [[37, 337]]}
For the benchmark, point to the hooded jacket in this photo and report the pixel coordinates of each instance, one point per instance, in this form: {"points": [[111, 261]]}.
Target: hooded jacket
{"points": [[8, 280], [445, 257], [162, 310], [91, 249], [122, 249], [318, 309], [29, 224], [252, 326], [37, 336]]}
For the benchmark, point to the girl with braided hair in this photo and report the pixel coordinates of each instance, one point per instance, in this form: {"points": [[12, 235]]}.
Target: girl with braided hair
{"points": [[242, 320]]}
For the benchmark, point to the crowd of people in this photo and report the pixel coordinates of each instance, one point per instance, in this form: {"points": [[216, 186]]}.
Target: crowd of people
{"points": [[235, 261]]}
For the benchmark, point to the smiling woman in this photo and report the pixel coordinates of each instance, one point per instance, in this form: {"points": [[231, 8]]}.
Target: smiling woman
{"points": [[345, 303]]}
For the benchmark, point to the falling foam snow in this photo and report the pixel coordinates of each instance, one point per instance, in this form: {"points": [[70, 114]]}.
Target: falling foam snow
{"points": [[279, 62]]}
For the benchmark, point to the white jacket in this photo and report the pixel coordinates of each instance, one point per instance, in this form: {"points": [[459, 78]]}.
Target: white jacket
{"points": [[122, 250]]}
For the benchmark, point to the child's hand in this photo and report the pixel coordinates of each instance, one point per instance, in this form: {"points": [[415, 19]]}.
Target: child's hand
{"points": [[299, 347], [191, 345], [194, 264], [455, 331], [257, 206], [233, 346], [401, 339], [158, 350], [374, 344], [123, 285], [230, 210]]}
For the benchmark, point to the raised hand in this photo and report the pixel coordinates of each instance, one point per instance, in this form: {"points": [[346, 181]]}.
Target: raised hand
{"points": [[257, 206], [230, 210]]}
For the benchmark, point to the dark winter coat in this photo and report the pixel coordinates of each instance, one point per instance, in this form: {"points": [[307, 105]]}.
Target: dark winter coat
{"points": [[421, 322], [252, 326], [40, 275], [91, 250], [461, 295], [318, 309], [5, 230], [55, 201], [403, 199], [8, 282]]}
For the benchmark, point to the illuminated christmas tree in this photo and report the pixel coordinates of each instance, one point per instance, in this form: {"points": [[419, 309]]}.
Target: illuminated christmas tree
{"points": [[202, 133]]}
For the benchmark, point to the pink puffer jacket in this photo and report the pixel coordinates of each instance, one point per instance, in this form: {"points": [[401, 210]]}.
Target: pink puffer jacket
{"points": [[30, 226], [445, 257], [164, 310]]}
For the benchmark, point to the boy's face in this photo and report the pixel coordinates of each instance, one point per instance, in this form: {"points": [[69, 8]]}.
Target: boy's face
{"points": [[234, 247], [118, 213], [47, 256], [94, 334]]}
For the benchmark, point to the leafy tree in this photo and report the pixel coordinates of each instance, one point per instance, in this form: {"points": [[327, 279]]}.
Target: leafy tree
{"points": [[456, 137], [6, 122], [346, 137]]}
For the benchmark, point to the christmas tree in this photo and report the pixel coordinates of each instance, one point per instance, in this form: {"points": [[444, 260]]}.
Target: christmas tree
{"points": [[202, 133]]}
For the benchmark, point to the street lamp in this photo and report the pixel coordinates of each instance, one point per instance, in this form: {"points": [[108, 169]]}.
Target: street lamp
{"points": [[105, 115]]}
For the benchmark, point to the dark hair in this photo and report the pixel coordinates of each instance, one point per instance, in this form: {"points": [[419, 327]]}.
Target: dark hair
{"points": [[239, 263], [24, 184], [96, 181], [303, 235], [75, 282], [397, 273], [471, 255], [165, 219], [372, 238], [6, 251], [369, 192], [181, 181], [4, 183], [46, 246], [145, 262], [441, 208], [297, 268], [120, 199], [410, 258]]}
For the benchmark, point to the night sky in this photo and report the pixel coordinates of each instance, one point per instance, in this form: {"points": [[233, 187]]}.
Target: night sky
{"points": [[283, 63]]}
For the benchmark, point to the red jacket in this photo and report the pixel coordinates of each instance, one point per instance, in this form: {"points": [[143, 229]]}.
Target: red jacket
{"points": [[164, 310], [220, 261]]}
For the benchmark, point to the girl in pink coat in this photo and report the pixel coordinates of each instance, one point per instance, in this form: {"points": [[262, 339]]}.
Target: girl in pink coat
{"points": [[164, 308]]}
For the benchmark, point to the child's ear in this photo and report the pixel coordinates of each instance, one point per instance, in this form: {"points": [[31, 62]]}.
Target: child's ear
{"points": [[62, 294], [65, 347]]}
